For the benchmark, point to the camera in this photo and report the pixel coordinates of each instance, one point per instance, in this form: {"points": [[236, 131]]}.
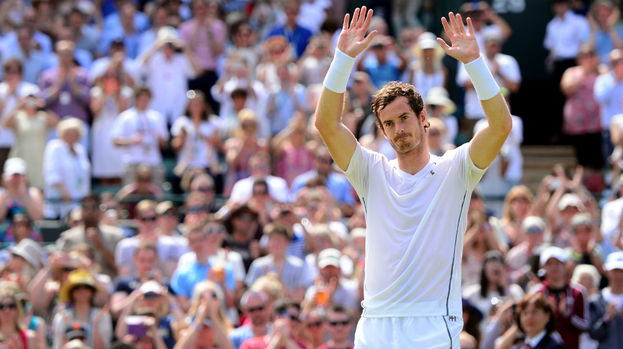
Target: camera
{"points": [[137, 325]]}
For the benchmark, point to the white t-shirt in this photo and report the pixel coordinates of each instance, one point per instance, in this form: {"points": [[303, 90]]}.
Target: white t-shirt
{"points": [[151, 125], [196, 150], [11, 100], [415, 228], [243, 189]]}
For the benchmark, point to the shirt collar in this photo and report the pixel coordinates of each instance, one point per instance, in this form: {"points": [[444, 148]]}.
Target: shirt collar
{"points": [[534, 341]]}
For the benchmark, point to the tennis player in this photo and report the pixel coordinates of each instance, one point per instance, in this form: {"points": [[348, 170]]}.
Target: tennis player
{"points": [[416, 205]]}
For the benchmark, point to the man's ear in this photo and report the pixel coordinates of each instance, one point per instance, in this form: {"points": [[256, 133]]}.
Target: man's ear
{"points": [[378, 124]]}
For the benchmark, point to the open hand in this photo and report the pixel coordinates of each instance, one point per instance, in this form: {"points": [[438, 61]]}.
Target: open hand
{"points": [[464, 45], [353, 37]]}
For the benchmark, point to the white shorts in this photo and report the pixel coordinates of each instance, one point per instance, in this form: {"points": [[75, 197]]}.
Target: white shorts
{"points": [[408, 332]]}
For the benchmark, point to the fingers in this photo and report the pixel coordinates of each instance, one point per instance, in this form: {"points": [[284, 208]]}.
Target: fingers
{"points": [[346, 19], [453, 23], [362, 17], [369, 38], [470, 26], [443, 44], [366, 24], [460, 24], [446, 26], [355, 18]]}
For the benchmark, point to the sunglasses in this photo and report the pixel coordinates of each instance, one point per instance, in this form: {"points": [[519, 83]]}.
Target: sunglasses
{"points": [[260, 192], [81, 287], [205, 189], [314, 324], [215, 230], [90, 207], [292, 316], [148, 218], [343, 323], [254, 309], [10, 306], [196, 209]]}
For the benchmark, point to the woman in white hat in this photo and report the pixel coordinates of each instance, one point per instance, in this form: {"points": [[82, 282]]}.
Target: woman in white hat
{"points": [[439, 106], [426, 71]]}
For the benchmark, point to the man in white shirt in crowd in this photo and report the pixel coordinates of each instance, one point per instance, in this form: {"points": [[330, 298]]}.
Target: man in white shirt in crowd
{"points": [[141, 132], [259, 165], [416, 205]]}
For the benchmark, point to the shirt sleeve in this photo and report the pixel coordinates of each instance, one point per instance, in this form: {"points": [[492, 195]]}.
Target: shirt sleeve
{"points": [[471, 173], [358, 171]]}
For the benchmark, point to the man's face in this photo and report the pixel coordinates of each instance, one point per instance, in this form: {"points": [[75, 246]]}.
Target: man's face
{"points": [[146, 221], [145, 260], [90, 212], [257, 310], [277, 243], [554, 270], [402, 127], [329, 272], [142, 101], [615, 278], [195, 241], [339, 326]]}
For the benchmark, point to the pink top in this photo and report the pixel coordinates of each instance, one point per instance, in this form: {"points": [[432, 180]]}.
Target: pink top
{"points": [[293, 162], [202, 50], [581, 110]]}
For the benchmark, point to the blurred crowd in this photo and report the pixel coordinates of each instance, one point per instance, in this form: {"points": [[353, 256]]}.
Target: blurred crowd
{"points": [[174, 141]]}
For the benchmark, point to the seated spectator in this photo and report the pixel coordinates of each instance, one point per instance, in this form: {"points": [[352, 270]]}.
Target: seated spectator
{"points": [[77, 295], [242, 226], [291, 270], [534, 318], [102, 239], [150, 306], [436, 136], [17, 196], [605, 310], [313, 327], [292, 155], [336, 182], [141, 132], [241, 147], [256, 307], [261, 202], [168, 248], [141, 188], [584, 248], [205, 185], [520, 258], [330, 288], [11, 322], [168, 220], [197, 266], [206, 321], [12, 90], [517, 206], [384, 62], [67, 169], [441, 107], [286, 324], [259, 168]]}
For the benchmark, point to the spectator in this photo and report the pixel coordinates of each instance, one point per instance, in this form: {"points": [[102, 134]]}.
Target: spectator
{"points": [[485, 20], [26, 257], [534, 318], [297, 36], [286, 322], [336, 183], [86, 35], [384, 62], [608, 90], [66, 88], [17, 196], [29, 52], [141, 132], [66, 168], [293, 156], [11, 321], [150, 306], [313, 327], [256, 307], [287, 99], [441, 107], [109, 97], [117, 60], [168, 220], [276, 50], [494, 284], [202, 242], [584, 248], [605, 309], [581, 124], [142, 188], [101, 239], [126, 24], [169, 250], [606, 31], [519, 258], [159, 19], [360, 98], [291, 270], [259, 167], [426, 71], [167, 71], [196, 137], [242, 226], [205, 35], [588, 276], [244, 44], [77, 295], [240, 147], [21, 228], [12, 90], [204, 185], [569, 303], [340, 323], [436, 138], [330, 288], [314, 63], [517, 206], [207, 323]]}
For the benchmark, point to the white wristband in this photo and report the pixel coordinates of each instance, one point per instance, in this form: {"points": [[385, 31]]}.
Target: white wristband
{"points": [[339, 72], [485, 85]]}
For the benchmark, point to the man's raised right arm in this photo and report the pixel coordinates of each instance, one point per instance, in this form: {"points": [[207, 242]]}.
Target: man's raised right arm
{"points": [[352, 41]]}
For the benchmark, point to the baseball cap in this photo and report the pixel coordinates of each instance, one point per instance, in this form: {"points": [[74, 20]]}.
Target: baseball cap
{"points": [[581, 219], [569, 200], [553, 252], [614, 261], [151, 287], [163, 207], [30, 251], [14, 166], [329, 256], [533, 225]]}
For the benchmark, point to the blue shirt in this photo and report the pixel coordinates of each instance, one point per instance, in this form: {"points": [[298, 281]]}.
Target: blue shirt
{"points": [[299, 37], [337, 184], [190, 274]]}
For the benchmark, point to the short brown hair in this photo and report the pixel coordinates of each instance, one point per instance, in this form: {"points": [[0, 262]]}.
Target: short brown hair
{"points": [[539, 301], [393, 90]]}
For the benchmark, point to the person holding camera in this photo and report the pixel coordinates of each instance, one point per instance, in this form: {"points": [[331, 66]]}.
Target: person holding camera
{"points": [[607, 308], [208, 326], [534, 319]]}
